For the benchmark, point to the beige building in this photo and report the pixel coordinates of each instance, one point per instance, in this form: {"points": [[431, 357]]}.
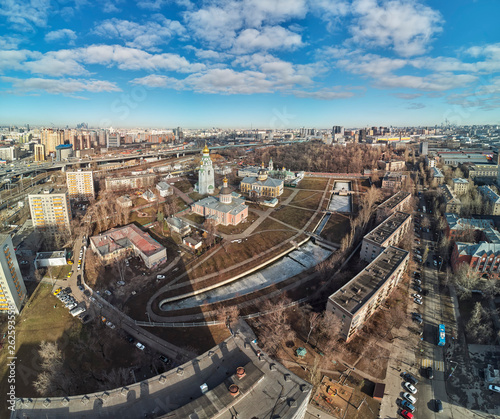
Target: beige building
{"points": [[392, 165], [50, 210], [130, 182], [12, 289], [389, 233], [492, 197], [483, 172], [460, 186], [80, 185], [51, 139], [356, 301], [397, 202], [39, 152]]}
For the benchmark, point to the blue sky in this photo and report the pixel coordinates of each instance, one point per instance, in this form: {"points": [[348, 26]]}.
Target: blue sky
{"points": [[260, 63]]}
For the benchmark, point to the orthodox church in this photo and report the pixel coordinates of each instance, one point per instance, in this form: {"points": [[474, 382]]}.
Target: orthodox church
{"points": [[206, 182], [226, 209]]}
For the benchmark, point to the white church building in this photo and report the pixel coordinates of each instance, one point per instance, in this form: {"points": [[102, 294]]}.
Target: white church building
{"points": [[206, 181]]}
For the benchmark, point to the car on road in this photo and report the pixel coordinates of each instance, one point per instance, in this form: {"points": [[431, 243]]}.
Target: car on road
{"points": [[110, 325], [438, 405], [92, 299], [410, 398], [164, 359], [140, 346], [24, 262], [417, 301], [494, 388], [406, 414], [410, 387], [429, 372], [160, 276], [405, 404]]}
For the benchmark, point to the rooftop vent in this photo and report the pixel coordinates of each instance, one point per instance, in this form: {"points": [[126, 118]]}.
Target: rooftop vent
{"points": [[240, 372], [234, 390]]}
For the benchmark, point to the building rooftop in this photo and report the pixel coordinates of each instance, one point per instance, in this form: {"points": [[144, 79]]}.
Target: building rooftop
{"points": [[437, 173], [163, 186], [234, 207], [385, 230], [197, 389], [489, 194], [51, 255], [456, 223], [124, 237], [449, 195], [270, 182], [49, 190], [478, 249], [460, 180], [360, 289], [394, 200]]}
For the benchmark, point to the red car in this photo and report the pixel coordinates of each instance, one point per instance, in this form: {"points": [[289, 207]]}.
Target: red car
{"points": [[406, 414]]}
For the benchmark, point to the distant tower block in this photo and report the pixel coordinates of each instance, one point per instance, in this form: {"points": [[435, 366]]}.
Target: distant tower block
{"points": [[206, 180]]}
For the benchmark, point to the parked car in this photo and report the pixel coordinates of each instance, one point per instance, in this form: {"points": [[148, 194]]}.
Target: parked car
{"points": [[417, 288], [410, 387], [107, 292], [405, 404], [110, 325], [416, 296], [120, 283], [410, 398], [494, 388], [160, 276], [438, 406], [430, 373], [417, 301], [57, 291], [406, 414], [164, 359], [140, 346]]}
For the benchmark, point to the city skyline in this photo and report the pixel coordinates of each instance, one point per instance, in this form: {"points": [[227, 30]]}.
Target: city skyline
{"points": [[231, 64]]}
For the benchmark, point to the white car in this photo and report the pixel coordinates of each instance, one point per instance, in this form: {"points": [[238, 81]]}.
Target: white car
{"points": [[110, 325], [410, 387], [160, 276], [418, 301], [496, 389], [410, 398], [140, 346], [417, 296]]}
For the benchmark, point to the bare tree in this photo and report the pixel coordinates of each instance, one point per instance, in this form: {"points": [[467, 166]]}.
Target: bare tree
{"points": [[314, 320], [274, 326], [228, 314], [465, 280], [53, 380], [211, 230], [120, 266]]}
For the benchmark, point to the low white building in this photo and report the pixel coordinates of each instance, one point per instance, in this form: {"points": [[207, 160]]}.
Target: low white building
{"points": [[46, 259], [165, 189]]}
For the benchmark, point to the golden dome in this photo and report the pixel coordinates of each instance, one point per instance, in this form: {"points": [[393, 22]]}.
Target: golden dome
{"points": [[206, 150]]}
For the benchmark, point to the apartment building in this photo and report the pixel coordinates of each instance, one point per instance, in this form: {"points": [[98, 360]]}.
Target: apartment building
{"points": [[456, 226], [492, 197], [39, 152], [80, 185], [356, 301], [437, 175], [483, 172], [389, 233], [50, 210], [483, 258], [393, 180], [396, 202], [460, 185], [451, 201], [12, 288]]}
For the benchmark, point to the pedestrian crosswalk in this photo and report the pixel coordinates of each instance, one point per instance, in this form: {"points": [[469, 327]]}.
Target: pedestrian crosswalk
{"points": [[437, 365]]}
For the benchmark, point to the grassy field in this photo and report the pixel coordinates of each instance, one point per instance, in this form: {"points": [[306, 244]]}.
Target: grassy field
{"points": [[286, 193], [313, 183], [337, 227], [293, 216], [307, 199]]}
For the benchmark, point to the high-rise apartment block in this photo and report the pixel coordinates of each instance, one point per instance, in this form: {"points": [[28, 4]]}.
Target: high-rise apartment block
{"points": [[50, 210], [51, 139], [12, 289], [39, 152], [80, 185]]}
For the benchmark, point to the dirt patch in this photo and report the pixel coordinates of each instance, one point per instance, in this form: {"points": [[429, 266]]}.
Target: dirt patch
{"points": [[313, 183], [307, 199], [295, 217]]}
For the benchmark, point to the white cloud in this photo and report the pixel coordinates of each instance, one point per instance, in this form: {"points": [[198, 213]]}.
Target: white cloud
{"points": [[51, 65], [432, 82], [415, 105], [60, 86], [405, 26], [148, 36], [61, 35], [25, 14], [408, 96], [9, 42], [267, 38], [154, 80], [12, 60]]}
